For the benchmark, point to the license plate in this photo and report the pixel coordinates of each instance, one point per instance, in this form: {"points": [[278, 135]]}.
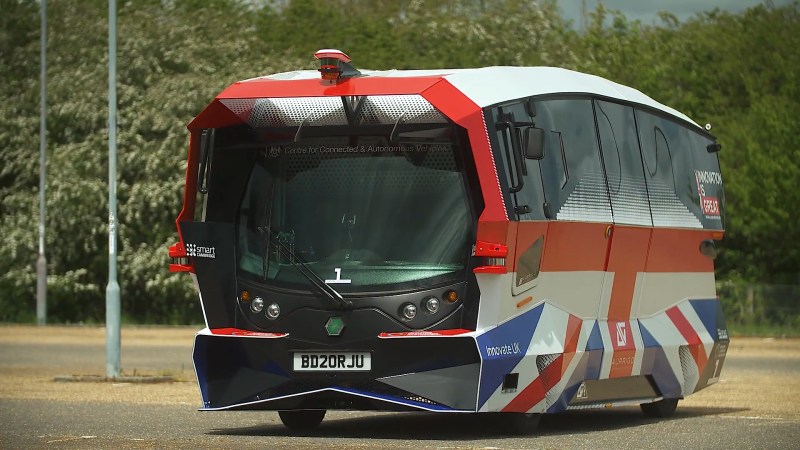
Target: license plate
{"points": [[332, 361]]}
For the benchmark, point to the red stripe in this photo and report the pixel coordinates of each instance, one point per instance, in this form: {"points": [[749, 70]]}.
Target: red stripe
{"points": [[248, 333], [573, 333], [627, 257], [535, 392], [678, 251], [575, 246], [315, 87], [690, 334], [622, 291], [571, 339], [435, 333], [623, 348], [551, 375], [686, 329], [667, 250], [622, 363]]}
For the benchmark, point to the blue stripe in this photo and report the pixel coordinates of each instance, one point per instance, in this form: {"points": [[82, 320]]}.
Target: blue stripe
{"points": [[503, 347], [595, 341], [709, 312], [647, 338]]}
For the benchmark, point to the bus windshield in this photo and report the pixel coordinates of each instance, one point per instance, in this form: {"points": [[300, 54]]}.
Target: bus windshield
{"points": [[361, 214]]}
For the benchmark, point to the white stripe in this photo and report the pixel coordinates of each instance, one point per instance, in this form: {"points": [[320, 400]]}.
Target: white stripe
{"points": [[637, 340], [549, 335], [661, 291], [608, 350], [669, 338]]}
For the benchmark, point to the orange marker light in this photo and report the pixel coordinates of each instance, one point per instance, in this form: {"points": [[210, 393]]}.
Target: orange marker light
{"points": [[451, 296], [245, 296], [524, 302]]}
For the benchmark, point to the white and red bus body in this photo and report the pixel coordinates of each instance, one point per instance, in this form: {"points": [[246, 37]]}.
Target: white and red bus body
{"points": [[578, 278]]}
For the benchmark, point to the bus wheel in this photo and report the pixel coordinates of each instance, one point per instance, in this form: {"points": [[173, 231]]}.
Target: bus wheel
{"points": [[302, 419], [521, 423], [661, 409]]}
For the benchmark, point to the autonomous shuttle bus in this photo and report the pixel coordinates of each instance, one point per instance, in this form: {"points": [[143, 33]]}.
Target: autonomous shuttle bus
{"points": [[520, 240]]}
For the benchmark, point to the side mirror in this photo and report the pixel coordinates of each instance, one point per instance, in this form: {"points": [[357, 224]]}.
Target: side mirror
{"points": [[533, 143]]}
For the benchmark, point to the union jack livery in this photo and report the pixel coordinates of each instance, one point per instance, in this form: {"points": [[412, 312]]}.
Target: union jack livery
{"points": [[522, 240]]}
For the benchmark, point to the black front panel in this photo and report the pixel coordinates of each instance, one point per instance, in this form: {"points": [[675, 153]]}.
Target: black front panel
{"points": [[236, 370], [210, 246]]}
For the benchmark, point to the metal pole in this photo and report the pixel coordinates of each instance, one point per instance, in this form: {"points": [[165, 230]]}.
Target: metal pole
{"points": [[112, 290], [41, 261]]}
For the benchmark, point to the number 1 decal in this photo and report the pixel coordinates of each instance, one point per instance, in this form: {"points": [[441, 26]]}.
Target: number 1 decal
{"points": [[338, 279]]}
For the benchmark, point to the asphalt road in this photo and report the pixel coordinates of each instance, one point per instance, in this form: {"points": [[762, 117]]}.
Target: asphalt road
{"points": [[36, 412]]}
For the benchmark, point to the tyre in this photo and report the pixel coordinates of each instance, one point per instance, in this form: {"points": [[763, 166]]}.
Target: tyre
{"points": [[521, 423], [661, 409], [302, 419]]}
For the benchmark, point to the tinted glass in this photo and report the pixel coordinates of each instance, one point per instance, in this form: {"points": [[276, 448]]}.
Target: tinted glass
{"points": [[683, 179], [660, 138], [623, 163], [698, 179], [528, 201], [571, 170], [367, 215]]}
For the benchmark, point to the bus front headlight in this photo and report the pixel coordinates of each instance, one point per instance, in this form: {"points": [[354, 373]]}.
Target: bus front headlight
{"points": [[257, 305], [432, 305], [408, 311], [273, 311]]}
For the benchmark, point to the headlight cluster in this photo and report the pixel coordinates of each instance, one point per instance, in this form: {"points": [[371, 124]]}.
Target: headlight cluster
{"points": [[429, 305], [407, 312], [257, 305]]}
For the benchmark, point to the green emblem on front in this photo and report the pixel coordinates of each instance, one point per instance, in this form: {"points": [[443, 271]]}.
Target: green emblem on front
{"points": [[334, 326]]}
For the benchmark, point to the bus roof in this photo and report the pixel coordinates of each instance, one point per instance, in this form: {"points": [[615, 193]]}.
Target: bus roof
{"points": [[494, 85]]}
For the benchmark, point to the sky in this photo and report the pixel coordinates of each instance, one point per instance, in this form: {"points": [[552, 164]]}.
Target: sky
{"points": [[646, 10]]}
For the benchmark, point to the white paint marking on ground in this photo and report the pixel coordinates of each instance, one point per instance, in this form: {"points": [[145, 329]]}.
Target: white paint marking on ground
{"points": [[775, 419]]}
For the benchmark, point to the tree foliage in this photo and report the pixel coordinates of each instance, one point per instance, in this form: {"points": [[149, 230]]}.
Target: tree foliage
{"points": [[736, 71]]}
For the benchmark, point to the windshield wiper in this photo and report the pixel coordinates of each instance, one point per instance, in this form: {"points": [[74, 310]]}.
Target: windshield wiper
{"points": [[301, 266]]}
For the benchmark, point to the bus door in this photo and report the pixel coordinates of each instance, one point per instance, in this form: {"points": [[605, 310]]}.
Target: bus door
{"points": [[629, 235], [560, 205], [577, 206], [527, 211]]}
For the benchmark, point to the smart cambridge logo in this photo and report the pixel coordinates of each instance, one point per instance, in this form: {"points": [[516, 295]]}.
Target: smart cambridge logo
{"points": [[198, 251]]}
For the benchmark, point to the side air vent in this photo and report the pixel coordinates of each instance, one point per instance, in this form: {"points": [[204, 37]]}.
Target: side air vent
{"points": [[548, 378], [690, 373]]}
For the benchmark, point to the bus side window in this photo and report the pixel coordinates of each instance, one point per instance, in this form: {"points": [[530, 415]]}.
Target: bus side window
{"points": [[708, 176], [623, 164], [572, 175], [662, 142], [528, 201], [697, 177]]}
